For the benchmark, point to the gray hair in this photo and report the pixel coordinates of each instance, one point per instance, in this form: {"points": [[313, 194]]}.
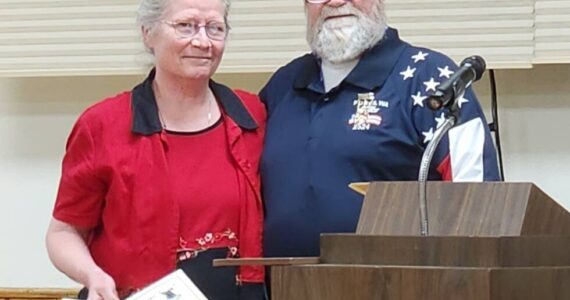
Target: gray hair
{"points": [[150, 12]]}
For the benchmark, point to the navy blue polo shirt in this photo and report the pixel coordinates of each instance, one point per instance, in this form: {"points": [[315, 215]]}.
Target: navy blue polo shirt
{"points": [[374, 126]]}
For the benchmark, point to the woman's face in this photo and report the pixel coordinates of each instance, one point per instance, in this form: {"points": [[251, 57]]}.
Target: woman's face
{"points": [[178, 55]]}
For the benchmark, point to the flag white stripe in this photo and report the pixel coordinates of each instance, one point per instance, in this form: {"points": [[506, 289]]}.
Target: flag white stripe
{"points": [[466, 143]]}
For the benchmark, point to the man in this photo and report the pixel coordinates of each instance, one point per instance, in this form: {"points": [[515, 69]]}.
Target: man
{"points": [[354, 110]]}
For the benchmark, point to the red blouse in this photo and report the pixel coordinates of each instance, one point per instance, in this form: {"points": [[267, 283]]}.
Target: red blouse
{"points": [[115, 181], [209, 203]]}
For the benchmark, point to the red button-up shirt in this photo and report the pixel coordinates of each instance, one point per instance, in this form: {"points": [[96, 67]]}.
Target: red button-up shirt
{"points": [[115, 181]]}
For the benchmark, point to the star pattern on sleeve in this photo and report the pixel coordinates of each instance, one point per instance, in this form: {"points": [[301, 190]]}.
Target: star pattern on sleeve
{"points": [[431, 85], [440, 120], [419, 99], [445, 72], [419, 57], [408, 73], [462, 100], [428, 135], [427, 78]]}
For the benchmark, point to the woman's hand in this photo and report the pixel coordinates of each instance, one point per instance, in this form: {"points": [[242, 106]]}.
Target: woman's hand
{"points": [[69, 253], [101, 286]]}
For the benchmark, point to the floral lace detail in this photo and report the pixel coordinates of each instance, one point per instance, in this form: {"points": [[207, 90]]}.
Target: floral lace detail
{"points": [[210, 238], [205, 242]]}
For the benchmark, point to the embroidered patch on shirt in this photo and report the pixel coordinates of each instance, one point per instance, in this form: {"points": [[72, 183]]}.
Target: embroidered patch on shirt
{"points": [[367, 112]]}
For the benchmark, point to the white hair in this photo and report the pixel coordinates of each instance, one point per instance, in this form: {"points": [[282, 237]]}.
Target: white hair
{"points": [[150, 12]]}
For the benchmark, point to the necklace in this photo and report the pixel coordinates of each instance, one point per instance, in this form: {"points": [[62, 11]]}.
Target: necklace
{"points": [[208, 116]]}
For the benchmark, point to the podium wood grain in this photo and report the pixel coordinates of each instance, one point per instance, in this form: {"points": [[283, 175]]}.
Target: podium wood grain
{"points": [[36, 293], [488, 241], [342, 282], [462, 209], [267, 261], [525, 251]]}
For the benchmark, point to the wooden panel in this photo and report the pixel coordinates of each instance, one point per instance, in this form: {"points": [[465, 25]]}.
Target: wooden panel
{"points": [[487, 209], [36, 293], [469, 209], [270, 261], [338, 282], [531, 283], [410, 251], [531, 251], [35, 298], [342, 282], [544, 216], [445, 250]]}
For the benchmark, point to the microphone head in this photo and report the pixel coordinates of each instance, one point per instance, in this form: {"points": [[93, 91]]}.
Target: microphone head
{"points": [[477, 63]]}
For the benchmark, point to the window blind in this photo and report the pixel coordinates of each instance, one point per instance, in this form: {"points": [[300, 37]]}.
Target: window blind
{"points": [[99, 37], [552, 31]]}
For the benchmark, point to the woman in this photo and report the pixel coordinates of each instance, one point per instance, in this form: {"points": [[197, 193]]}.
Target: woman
{"points": [[165, 175]]}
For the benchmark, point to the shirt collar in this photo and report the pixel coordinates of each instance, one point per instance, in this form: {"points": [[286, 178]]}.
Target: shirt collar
{"points": [[145, 116], [372, 70]]}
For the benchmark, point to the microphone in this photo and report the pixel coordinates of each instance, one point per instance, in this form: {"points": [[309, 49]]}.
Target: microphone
{"points": [[471, 70]]}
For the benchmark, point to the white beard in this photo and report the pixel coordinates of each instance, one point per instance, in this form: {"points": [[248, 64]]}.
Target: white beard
{"points": [[344, 39]]}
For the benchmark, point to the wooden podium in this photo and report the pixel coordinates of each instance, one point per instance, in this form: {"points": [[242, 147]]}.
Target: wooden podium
{"points": [[488, 241]]}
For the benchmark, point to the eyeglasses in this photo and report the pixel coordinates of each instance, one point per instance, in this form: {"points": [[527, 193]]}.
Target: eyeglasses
{"points": [[322, 1], [216, 31]]}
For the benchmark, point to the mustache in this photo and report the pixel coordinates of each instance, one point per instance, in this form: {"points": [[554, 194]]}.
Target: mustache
{"points": [[335, 11], [328, 12]]}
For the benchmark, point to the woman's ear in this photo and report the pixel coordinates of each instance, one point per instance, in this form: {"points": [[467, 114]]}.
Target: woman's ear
{"points": [[147, 38]]}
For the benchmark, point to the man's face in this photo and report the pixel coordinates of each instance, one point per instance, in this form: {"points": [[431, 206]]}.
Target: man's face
{"points": [[341, 30], [314, 11]]}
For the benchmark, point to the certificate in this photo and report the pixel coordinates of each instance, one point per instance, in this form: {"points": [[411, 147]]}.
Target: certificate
{"points": [[174, 286]]}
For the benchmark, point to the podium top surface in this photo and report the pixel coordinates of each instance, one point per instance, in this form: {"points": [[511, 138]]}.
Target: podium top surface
{"points": [[360, 187], [462, 209]]}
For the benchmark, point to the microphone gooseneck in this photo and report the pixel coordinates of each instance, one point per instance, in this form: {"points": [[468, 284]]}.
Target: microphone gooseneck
{"points": [[446, 95]]}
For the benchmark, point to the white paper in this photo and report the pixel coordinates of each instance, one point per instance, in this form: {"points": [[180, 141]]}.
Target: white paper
{"points": [[174, 286]]}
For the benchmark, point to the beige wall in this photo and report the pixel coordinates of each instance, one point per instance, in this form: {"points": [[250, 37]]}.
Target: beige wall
{"points": [[36, 115], [534, 112]]}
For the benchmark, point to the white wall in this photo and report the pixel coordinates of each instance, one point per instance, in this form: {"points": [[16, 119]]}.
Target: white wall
{"points": [[35, 118], [534, 114], [36, 115]]}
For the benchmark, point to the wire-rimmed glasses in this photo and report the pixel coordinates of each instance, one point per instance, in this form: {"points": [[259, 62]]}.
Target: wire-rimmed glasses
{"points": [[321, 1], [216, 31]]}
